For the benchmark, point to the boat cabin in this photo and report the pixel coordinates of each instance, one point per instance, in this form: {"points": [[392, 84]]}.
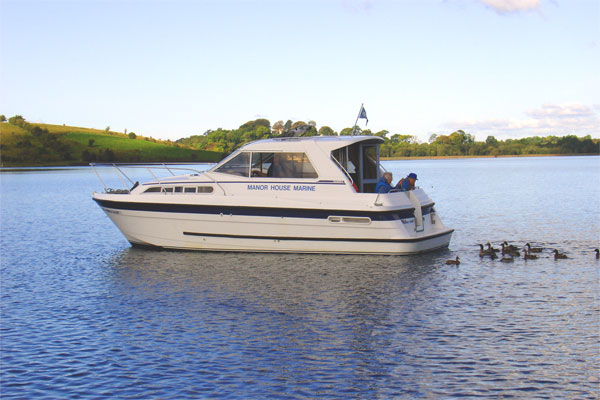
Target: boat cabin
{"points": [[323, 158]]}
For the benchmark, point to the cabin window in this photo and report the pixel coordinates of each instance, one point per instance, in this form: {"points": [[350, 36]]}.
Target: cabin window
{"points": [[153, 189], [168, 190], [178, 189], [189, 190], [282, 165], [205, 189], [261, 164], [238, 165]]}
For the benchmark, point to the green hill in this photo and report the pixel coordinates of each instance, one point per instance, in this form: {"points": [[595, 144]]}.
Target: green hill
{"points": [[29, 144]]}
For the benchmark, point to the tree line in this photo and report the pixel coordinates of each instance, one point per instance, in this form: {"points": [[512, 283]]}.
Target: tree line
{"points": [[25, 143], [458, 143]]}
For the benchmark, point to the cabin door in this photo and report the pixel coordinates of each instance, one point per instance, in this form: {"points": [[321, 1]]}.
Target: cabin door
{"points": [[368, 167]]}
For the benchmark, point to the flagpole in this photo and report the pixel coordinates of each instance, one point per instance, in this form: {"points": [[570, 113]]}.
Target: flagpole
{"points": [[357, 117]]}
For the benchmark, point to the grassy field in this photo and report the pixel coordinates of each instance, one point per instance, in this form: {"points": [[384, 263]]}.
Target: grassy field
{"points": [[69, 145]]}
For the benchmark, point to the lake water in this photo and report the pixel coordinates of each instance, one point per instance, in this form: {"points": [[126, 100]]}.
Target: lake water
{"points": [[84, 315]]}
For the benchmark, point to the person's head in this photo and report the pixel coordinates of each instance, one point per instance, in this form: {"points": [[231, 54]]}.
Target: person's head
{"points": [[412, 177], [388, 177]]}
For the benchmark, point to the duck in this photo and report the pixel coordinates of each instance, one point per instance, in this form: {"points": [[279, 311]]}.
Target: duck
{"points": [[507, 258], [510, 249], [489, 252], [533, 249], [453, 262], [527, 256], [491, 249], [597, 253], [558, 256], [483, 252]]}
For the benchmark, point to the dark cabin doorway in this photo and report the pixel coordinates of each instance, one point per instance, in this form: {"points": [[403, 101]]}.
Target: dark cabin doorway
{"points": [[361, 161]]}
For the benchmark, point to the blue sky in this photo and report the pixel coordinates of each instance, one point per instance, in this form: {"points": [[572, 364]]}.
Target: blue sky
{"points": [[170, 69]]}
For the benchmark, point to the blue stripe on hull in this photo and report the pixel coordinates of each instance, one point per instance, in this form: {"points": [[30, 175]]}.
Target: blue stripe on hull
{"points": [[389, 215]]}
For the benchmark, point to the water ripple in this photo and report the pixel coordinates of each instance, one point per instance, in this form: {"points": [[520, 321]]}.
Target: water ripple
{"points": [[83, 315]]}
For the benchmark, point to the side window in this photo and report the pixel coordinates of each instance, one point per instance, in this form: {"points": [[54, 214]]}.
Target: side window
{"points": [[282, 165], [306, 168], [295, 165], [152, 189], [239, 165], [261, 164]]}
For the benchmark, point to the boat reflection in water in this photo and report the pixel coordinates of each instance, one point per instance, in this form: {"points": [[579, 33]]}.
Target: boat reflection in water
{"points": [[290, 195]]}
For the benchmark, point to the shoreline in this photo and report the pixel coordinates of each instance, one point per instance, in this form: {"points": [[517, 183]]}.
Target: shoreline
{"points": [[486, 156]]}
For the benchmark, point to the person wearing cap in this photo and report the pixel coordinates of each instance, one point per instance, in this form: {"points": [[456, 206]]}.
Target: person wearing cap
{"points": [[385, 183], [408, 183]]}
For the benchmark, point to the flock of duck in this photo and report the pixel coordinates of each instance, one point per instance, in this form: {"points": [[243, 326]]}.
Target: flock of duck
{"points": [[509, 252]]}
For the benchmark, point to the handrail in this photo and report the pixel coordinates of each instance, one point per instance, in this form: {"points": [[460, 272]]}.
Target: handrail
{"points": [[343, 169], [118, 169], [216, 183], [98, 175], [119, 173]]}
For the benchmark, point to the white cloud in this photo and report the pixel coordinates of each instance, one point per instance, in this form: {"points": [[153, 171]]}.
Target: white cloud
{"points": [[511, 6], [549, 119], [564, 111]]}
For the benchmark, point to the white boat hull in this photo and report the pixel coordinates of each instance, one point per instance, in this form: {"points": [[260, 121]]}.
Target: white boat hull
{"points": [[228, 232]]}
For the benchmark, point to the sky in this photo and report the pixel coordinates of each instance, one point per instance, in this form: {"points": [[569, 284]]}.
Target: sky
{"points": [[174, 68]]}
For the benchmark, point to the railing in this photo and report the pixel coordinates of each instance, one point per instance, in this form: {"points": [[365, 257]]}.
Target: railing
{"points": [[124, 178]]}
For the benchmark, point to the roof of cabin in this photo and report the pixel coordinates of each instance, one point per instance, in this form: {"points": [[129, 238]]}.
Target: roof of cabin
{"points": [[327, 143]]}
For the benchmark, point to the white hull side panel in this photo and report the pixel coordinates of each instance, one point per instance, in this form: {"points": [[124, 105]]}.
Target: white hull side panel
{"points": [[277, 234]]}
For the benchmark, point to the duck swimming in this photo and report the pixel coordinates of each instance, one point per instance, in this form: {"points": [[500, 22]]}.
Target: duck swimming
{"points": [[528, 256], [490, 248], [453, 262], [483, 252], [559, 256], [597, 253], [510, 249], [533, 249], [507, 258], [488, 252]]}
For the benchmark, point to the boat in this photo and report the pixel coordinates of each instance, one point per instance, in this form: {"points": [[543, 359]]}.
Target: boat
{"points": [[286, 194]]}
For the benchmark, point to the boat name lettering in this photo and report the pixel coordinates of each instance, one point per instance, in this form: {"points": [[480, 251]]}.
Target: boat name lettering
{"points": [[258, 187], [281, 187], [305, 188], [285, 188]]}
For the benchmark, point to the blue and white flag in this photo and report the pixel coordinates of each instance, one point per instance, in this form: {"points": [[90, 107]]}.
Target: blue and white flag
{"points": [[363, 114]]}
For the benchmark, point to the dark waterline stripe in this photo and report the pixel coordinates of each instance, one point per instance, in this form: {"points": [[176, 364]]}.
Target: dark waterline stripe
{"points": [[321, 239]]}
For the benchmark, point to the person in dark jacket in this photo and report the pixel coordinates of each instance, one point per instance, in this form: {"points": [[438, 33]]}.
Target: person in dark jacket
{"points": [[385, 183], [408, 183]]}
